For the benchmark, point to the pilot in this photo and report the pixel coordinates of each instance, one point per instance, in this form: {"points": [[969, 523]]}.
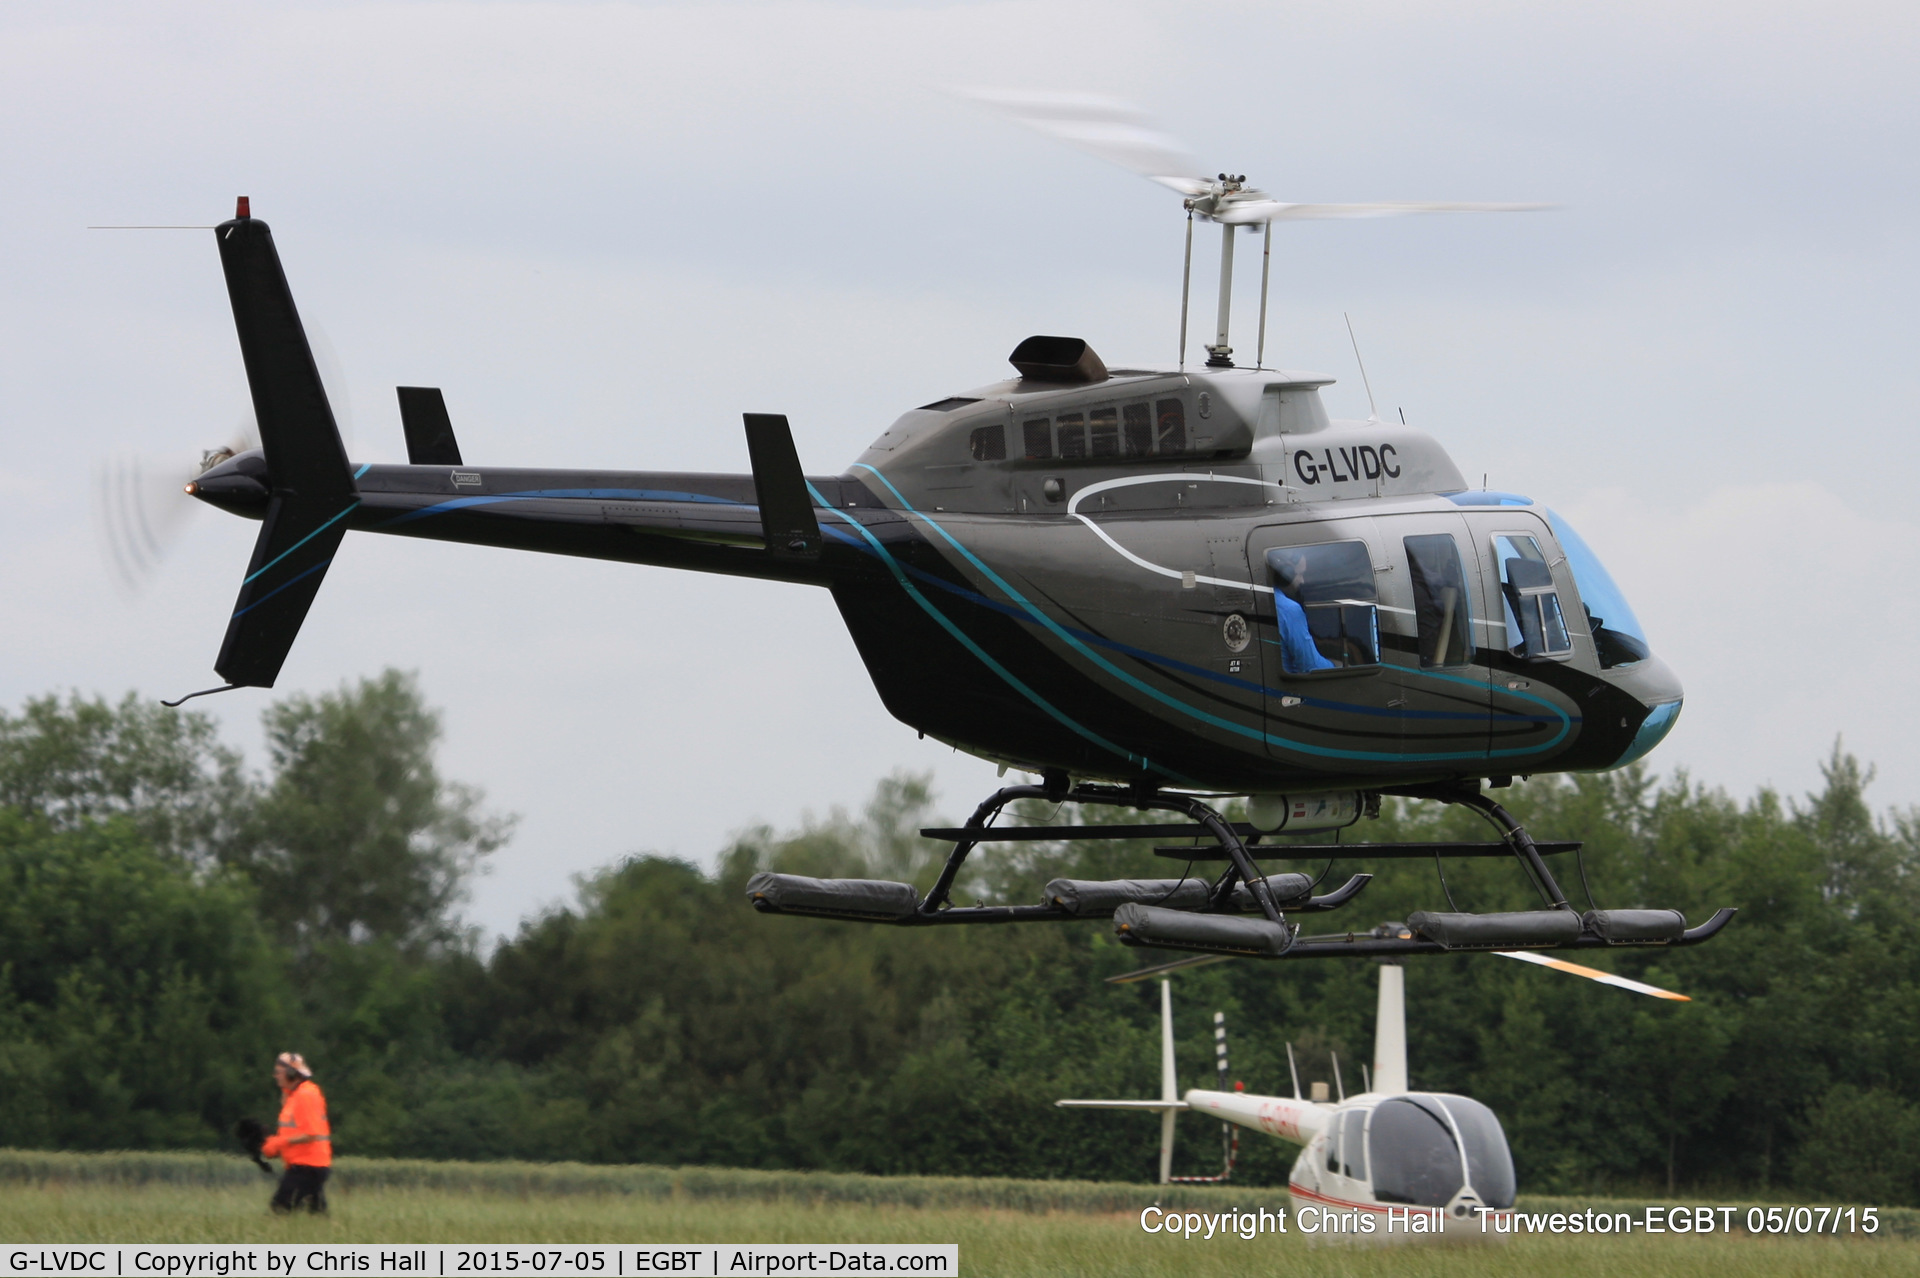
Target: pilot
{"points": [[1298, 652]]}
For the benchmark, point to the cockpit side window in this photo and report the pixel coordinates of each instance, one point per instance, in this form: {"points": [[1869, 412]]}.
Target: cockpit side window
{"points": [[1535, 626], [1326, 607], [988, 443], [1440, 600]]}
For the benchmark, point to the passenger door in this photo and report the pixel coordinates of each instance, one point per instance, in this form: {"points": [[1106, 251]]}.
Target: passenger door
{"points": [[1430, 629], [1318, 626]]}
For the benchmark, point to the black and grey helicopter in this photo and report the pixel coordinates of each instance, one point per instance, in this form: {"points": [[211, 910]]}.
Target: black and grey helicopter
{"points": [[1145, 586]]}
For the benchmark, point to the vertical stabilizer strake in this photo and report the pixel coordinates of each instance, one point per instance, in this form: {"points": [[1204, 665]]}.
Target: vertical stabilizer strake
{"points": [[311, 486]]}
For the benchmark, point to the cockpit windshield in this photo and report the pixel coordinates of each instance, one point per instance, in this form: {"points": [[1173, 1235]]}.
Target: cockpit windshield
{"points": [[1617, 635], [1424, 1149]]}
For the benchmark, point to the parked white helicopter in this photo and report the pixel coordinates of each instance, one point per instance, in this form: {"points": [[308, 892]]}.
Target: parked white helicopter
{"points": [[1377, 1154]]}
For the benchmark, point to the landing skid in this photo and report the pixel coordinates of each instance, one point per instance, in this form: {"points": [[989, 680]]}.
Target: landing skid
{"points": [[1245, 911]]}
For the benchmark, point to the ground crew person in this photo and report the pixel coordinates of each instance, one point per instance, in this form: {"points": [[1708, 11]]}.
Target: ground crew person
{"points": [[303, 1141]]}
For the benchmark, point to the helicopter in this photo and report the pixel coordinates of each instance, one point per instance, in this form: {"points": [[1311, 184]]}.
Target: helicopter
{"points": [[1147, 586], [1387, 1161]]}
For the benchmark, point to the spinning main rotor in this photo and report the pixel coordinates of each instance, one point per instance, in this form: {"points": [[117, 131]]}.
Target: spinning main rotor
{"points": [[1122, 134]]}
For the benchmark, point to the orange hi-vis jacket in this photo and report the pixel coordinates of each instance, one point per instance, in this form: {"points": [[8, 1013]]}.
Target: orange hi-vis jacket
{"points": [[304, 1139]]}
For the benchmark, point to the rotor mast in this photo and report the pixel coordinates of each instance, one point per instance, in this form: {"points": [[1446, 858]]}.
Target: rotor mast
{"points": [[1220, 352]]}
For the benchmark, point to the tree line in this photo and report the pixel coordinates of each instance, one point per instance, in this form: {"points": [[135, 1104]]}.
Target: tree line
{"points": [[170, 919]]}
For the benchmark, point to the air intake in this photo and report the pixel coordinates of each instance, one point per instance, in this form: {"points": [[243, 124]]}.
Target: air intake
{"points": [[1067, 360]]}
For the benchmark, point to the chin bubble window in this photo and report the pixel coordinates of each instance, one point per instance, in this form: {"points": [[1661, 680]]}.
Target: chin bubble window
{"points": [[1325, 606], [1535, 626]]}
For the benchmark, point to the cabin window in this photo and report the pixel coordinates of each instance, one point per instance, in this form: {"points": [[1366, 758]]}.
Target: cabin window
{"points": [[1439, 600], [1073, 436], [1103, 432], [1353, 1145], [1039, 438], [1325, 606], [1136, 430], [1535, 626], [989, 443], [1170, 433], [1333, 1148]]}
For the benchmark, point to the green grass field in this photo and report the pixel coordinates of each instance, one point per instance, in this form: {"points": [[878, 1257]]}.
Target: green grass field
{"points": [[1002, 1227]]}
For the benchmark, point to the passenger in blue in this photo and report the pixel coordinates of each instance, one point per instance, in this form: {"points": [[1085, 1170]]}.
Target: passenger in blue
{"points": [[1298, 653]]}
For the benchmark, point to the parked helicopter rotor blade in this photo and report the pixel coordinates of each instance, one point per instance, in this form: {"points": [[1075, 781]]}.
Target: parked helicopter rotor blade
{"points": [[1161, 969], [1107, 128], [1253, 212], [1592, 974]]}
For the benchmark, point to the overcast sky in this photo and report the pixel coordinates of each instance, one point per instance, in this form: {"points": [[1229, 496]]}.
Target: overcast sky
{"points": [[607, 230]]}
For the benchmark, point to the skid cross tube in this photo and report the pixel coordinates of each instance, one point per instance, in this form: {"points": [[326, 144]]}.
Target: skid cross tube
{"points": [[1523, 847], [1467, 794]]}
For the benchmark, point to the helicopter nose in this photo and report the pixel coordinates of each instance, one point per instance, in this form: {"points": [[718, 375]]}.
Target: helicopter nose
{"points": [[1653, 683]]}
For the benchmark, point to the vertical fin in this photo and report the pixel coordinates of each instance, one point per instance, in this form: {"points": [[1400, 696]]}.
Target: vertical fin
{"points": [[1390, 1032]]}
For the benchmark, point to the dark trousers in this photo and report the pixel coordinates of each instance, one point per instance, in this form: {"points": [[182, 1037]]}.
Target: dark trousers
{"points": [[302, 1187]]}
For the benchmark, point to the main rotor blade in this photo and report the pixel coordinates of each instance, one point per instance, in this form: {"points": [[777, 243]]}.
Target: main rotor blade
{"points": [[1592, 974], [1104, 127], [1257, 211]]}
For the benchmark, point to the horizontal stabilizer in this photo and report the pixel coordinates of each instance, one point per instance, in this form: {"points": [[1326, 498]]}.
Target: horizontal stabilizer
{"points": [[311, 488], [832, 898], [780, 488], [423, 415]]}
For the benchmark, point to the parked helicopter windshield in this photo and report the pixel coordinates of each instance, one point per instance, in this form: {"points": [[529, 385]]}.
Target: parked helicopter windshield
{"points": [[1326, 606], [1417, 1157], [1617, 635], [1489, 1162]]}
